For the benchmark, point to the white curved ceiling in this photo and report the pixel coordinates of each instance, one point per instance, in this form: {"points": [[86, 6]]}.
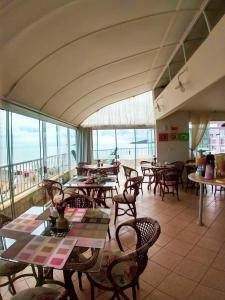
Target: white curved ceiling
{"points": [[69, 58]]}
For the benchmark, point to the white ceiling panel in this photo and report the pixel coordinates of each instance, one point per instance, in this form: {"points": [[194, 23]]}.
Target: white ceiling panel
{"points": [[68, 58]]}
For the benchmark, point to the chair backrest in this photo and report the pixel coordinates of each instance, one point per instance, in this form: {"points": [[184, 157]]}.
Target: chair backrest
{"points": [[81, 171], [79, 201], [128, 172], [171, 175], [53, 188], [179, 165], [4, 220], [147, 231], [142, 162], [132, 186]]}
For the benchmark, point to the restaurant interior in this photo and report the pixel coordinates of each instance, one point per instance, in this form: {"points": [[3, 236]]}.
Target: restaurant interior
{"points": [[112, 149]]}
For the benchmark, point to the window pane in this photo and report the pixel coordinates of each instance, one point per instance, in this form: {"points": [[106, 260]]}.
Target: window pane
{"points": [[51, 149], [73, 150], [63, 149], [215, 11], [197, 35], [126, 146], [177, 62], [26, 152], [95, 144], [106, 144], [145, 144], [4, 186]]}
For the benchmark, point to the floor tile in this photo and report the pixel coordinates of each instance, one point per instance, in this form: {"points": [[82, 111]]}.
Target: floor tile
{"points": [[179, 247], [154, 274], [157, 295], [214, 279], [167, 259], [205, 293], [210, 243], [177, 286], [191, 269], [202, 255]]}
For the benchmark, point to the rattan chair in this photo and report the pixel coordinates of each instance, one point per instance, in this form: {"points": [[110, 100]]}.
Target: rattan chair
{"points": [[147, 172], [55, 191], [120, 271], [130, 193], [129, 173], [41, 293], [179, 165], [168, 181], [79, 201], [9, 269]]}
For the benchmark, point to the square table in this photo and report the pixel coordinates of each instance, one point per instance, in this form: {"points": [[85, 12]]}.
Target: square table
{"points": [[44, 247]]}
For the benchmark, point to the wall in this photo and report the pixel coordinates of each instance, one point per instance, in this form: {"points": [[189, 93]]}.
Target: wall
{"points": [[173, 150]]}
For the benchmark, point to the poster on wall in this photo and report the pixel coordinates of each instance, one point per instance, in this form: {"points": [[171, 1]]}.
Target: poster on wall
{"points": [[183, 136], [163, 137], [173, 136]]}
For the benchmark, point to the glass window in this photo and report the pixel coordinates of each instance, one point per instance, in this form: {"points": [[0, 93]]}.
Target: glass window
{"points": [[26, 152], [73, 149], [4, 186], [215, 11], [126, 146], [197, 35], [106, 144], [145, 144], [95, 144], [63, 149], [51, 150], [177, 62]]}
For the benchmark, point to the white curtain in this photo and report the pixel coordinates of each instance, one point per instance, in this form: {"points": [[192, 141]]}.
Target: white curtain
{"points": [[199, 122], [134, 111]]}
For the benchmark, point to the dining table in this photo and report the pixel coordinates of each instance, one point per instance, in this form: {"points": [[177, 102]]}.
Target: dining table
{"points": [[96, 184], [32, 238], [156, 170], [202, 181]]}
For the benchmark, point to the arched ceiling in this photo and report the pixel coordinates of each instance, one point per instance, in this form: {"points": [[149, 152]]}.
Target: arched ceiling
{"points": [[69, 58]]}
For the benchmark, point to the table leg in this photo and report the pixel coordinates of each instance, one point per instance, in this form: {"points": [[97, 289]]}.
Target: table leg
{"points": [[200, 205], [40, 277], [69, 284]]}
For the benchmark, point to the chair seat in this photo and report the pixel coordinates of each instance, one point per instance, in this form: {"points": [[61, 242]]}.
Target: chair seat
{"points": [[168, 182], [120, 198], [122, 273], [38, 293], [58, 198], [8, 268]]}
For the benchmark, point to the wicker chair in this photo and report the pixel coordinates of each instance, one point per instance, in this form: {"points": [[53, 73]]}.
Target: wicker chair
{"points": [[41, 293], [79, 201], [179, 165], [131, 190], [129, 173], [121, 271], [55, 191], [168, 180], [10, 269], [147, 172]]}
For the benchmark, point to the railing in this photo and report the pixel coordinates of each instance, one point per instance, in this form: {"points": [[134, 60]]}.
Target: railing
{"points": [[28, 174], [126, 153]]}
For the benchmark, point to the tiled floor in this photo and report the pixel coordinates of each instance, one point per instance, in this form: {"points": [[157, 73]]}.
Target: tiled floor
{"points": [[187, 261]]}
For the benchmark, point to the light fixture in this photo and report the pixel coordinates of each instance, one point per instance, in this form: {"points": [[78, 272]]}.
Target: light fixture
{"points": [[180, 85], [157, 105]]}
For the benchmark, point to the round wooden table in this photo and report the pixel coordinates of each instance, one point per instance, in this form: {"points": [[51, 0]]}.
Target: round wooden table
{"points": [[201, 180]]}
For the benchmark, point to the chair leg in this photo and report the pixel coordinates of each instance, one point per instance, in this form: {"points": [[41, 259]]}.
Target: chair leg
{"points": [[135, 211], [116, 212], [92, 292], [11, 287], [138, 286], [134, 292], [109, 234], [80, 280]]}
